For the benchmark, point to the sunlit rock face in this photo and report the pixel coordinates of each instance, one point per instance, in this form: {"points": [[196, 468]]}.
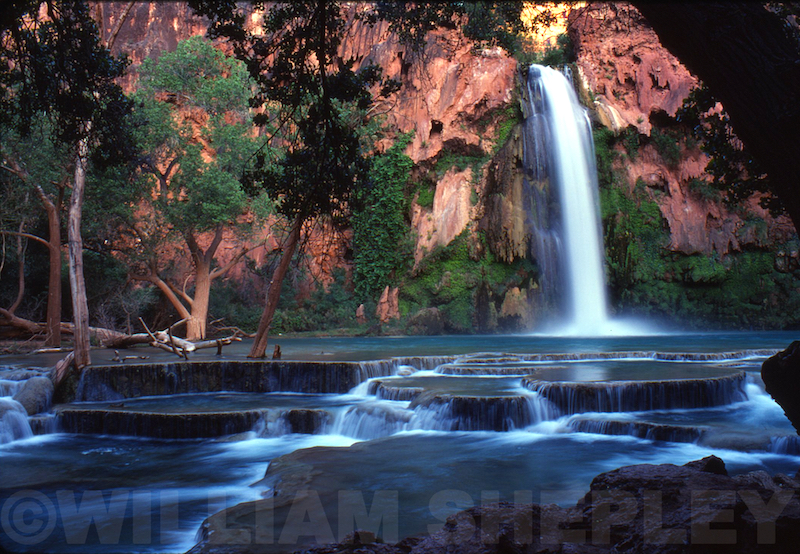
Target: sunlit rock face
{"points": [[624, 64], [634, 81], [149, 29], [448, 95]]}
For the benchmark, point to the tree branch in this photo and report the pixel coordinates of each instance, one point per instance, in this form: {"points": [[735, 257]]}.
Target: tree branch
{"points": [[27, 236], [221, 271], [113, 37], [212, 248]]}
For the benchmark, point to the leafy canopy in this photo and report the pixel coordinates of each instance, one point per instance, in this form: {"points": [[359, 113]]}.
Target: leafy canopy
{"points": [[196, 134]]}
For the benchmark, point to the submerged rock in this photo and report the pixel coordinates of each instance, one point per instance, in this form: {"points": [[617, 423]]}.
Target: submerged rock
{"points": [[781, 375]]}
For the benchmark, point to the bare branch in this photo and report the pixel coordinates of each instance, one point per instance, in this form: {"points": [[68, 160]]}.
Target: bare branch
{"points": [[27, 236], [113, 37]]}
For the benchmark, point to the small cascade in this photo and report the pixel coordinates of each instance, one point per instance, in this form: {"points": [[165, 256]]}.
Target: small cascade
{"points": [[385, 391], [787, 444], [637, 396], [304, 421], [479, 413], [372, 420], [375, 368], [9, 387], [277, 423], [43, 424], [640, 429], [14, 423], [424, 363]]}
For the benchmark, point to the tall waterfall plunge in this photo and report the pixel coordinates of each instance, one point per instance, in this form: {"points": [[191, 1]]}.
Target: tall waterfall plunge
{"points": [[560, 168]]}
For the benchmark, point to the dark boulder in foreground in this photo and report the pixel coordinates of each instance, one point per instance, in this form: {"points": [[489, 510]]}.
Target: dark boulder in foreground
{"points": [[652, 509], [781, 375]]}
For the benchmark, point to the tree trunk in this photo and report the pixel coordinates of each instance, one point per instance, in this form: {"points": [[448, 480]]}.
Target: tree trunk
{"points": [[80, 308], [259, 348], [53, 334], [749, 61], [196, 326], [169, 293]]}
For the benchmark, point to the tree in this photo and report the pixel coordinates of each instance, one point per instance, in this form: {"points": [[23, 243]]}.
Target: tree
{"points": [[52, 61], [323, 101], [196, 136], [36, 165], [749, 58]]}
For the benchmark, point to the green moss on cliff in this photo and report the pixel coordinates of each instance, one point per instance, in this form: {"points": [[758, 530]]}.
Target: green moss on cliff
{"points": [[450, 277], [742, 290]]}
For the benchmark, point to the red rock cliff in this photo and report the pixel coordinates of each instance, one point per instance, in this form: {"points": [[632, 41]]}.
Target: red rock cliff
{"points": [[633, 80]]}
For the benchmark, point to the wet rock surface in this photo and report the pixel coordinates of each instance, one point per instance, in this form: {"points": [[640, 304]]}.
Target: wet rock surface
{"points": [[781, 375], [35, 395], [661, 509], [101, 383]]}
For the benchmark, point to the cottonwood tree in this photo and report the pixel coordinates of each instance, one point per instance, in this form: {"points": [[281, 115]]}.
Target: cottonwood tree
{"points": [[53, 61], [36, 171], [294, 56], [197, 140]]}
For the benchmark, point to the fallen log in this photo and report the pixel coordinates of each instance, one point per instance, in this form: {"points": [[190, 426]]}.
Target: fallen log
{"points": [[108, 338]]}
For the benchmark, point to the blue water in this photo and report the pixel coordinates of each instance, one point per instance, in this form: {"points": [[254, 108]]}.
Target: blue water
{"points": [[79, 493]]}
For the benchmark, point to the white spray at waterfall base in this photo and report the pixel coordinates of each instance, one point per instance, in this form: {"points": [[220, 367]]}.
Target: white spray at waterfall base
{"points": [[570, 166]]}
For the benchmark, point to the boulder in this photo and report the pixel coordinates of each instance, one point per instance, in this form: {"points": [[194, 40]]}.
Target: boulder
{"points": [[781, 375], [36, 395], [664, 509], [427, 321]]}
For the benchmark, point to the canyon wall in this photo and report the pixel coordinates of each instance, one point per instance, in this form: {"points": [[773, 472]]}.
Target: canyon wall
{"points": [[462, 102]]}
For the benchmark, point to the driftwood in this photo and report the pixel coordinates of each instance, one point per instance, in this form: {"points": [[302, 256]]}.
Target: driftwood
{"points": [[62, 368], [108, 338]]}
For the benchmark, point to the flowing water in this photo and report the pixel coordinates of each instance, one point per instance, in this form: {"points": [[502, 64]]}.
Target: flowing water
{"points": [[560, 121], [415, 427], [462, 421]]}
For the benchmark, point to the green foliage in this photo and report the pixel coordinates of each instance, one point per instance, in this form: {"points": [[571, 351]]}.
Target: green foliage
{"points": [[509, 118], [235, 305], [425, 196], [704, 190], [378, 220], [630, 140], [52, 61], [326, 309], [196, 133], [667, 145], [450, 277], [604, 141], [199, 75], [556, 56], [731, 165], [741, 290], [634, 235]]}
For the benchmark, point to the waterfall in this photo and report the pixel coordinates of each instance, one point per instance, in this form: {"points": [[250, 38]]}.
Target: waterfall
{"points": [[560, 167]]}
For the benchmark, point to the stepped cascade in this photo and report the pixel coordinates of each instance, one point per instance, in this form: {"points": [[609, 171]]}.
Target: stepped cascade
{"points": [[528, 418]]}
